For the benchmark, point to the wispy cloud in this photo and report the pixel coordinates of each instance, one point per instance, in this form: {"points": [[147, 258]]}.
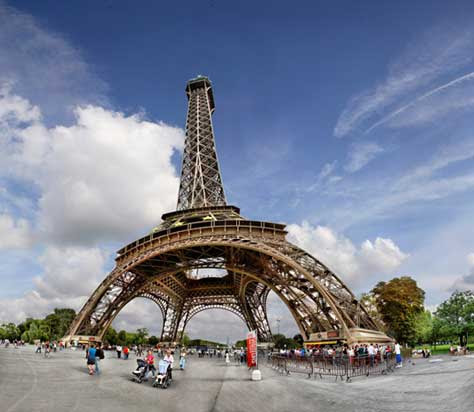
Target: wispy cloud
{"points": [[356, 200], [443, 106], [437, 53], [361, 154], [44, 67]]}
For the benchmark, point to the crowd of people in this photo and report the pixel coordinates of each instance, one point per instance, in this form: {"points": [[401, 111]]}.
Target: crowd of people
{"points": [[458, 350], [95, 352], [371, 353], [16, 343]]}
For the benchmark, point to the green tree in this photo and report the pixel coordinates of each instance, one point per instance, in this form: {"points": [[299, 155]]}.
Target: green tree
{"points": [[59, 322], [241, 343], [11, 331], [111, 336], [423, 327], [185, 341], [122, 337], [153, 340], [141, 336], [281, 342], [298, 339], [457, 314], [399, 301]]}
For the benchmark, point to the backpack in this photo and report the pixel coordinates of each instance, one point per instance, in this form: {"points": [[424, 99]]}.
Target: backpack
{"points": [[100, 354]]}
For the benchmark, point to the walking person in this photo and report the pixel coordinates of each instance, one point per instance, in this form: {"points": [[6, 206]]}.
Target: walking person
{"points": [[99, 354], [170, 359], [150, 363], [90, 356], [126, 351], [118, 348], [46, 349]]}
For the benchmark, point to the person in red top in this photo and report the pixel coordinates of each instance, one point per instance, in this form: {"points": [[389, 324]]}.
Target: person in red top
{"points": [[150, 361], [125, 352]]}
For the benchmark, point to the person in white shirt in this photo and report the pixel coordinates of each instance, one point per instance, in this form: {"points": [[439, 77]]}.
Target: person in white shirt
{"points": [[170, 359], [398, 355], [371, 353]]}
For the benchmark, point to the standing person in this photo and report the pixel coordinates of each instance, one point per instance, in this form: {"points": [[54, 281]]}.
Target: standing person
{"points": [[227, 359], [182, 359], [118, 348], [90, 356], [371, 353], [99, 354], [398, 355], [38, 347], [170, 359], [125, 352]]}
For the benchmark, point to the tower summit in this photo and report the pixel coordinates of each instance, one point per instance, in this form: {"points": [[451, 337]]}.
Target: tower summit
{"points": [[201, 182]]}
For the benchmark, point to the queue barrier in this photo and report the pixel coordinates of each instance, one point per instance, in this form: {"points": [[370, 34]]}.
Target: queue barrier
{"points": [[340, 366]]}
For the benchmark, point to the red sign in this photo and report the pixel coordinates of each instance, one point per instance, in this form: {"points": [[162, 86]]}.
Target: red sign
{"points": [[252, 348]]}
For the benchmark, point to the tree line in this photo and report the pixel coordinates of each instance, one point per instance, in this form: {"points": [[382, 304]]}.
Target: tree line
{"points": [[53, 327], [398, 307]]}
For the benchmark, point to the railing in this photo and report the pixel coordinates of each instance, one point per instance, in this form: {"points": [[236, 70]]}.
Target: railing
{"points": [[340, 366]]}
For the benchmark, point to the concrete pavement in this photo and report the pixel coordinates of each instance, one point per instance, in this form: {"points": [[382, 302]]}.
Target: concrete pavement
{"points": [[29, 382]]}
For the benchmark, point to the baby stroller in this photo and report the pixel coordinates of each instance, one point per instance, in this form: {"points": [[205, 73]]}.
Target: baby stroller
{"points": [[139, 374], [163, 378]]}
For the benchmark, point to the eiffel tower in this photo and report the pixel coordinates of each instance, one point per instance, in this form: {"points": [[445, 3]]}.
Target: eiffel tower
{"points": [[207, 255]]}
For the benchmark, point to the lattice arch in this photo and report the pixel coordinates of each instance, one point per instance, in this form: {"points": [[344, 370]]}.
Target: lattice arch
{"points": [[206, 233]]}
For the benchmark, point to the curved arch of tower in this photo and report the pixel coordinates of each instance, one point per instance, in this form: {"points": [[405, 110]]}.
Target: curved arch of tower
{"points": [[175, 265]]}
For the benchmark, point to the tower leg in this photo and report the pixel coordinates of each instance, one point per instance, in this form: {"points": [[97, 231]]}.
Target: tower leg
{"points": [[256, 305], [171, 319]]}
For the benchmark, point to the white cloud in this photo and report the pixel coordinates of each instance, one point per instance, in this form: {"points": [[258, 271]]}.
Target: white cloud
{"points": [[435, 54], [140, 313], [217, 324], [466, 282], [353, 264], [70, 275], [70, 272], [470, 260], [14, 233], [91, 174], [361, 154], [102, 178], [14, 108]]}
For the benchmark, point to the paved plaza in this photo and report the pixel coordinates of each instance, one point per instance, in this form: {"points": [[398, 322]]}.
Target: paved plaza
{"points": [[31, 383]]}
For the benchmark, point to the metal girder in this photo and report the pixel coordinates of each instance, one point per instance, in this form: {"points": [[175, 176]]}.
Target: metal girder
{"points": [[253, 257], [201, 182], [317, 299]]}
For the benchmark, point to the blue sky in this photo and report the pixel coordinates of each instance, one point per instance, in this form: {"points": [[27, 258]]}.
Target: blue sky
{"points": [[355, 118]]}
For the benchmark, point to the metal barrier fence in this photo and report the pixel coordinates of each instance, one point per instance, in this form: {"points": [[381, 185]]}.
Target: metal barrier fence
{"points": [[341, 367]]}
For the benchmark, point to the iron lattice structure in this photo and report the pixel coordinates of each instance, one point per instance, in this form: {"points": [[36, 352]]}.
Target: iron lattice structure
{"points": [[206, 255]]}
